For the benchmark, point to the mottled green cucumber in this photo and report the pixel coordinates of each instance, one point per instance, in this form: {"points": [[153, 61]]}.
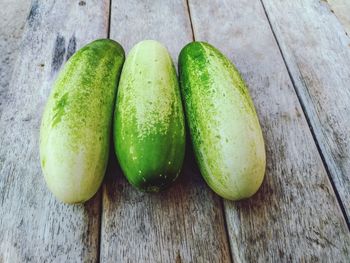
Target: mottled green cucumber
{"points": [[77, 121], [224, 127], [149, 133]]}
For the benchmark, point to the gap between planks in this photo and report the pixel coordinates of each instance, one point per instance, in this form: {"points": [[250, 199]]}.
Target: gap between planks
{"points": [[190, 18], [99, 244], [109, 19]]}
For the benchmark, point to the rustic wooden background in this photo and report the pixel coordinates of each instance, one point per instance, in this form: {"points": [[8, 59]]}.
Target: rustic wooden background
{"points": [[295, 57]]}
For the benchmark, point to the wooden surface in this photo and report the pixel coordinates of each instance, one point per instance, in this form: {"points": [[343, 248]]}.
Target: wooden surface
{"points": [[13, 18], [296, 208], [34, 227], [341, 9], [317, 57], [295, 58], [184, 223]]}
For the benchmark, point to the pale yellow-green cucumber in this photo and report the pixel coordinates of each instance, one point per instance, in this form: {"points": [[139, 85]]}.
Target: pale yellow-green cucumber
{"points": [[77, 121], [149, 133], [224, 127]]}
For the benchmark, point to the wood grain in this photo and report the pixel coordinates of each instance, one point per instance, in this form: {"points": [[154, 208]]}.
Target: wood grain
{"points": [[184, 223], [34, 227], [317, 52], [13, 18], [341, 9], [295, 216]]}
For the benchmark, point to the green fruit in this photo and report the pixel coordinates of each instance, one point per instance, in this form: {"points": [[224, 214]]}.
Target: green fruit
{"points": [[224, 127], [76, 125], [149, 132]]}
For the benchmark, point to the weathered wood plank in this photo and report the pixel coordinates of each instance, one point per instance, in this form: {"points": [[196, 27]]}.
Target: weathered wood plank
{"points": [[317, 52], [295, 217], [341, 8], [34, 227], [12, 21], [184, 223]]}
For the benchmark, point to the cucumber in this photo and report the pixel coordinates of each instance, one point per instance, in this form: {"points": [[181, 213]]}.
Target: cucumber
{"points": [[77, 121], [149, 133], [224, 127]]}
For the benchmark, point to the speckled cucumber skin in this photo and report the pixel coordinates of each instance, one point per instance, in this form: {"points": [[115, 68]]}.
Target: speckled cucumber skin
{"points": [[224, 127], [77, 121], [149, 131]]}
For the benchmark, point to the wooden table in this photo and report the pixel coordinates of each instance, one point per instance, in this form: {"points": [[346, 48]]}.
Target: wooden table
{"points": [[295, 57]]}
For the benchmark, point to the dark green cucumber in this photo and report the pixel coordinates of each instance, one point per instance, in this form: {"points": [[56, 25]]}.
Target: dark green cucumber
{"points": [[224, 127], [149, 132], [77, 121]]}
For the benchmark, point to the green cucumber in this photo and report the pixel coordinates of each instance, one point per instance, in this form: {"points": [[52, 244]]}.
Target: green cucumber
{"points": [[224, 127], [149, 133], [77, 121]]}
